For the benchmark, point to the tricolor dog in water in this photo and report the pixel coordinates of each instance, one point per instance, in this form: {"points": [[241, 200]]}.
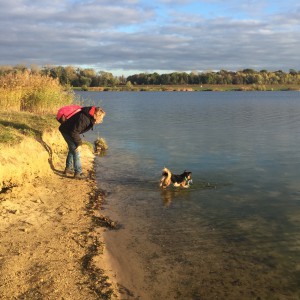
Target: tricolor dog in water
{"points": [[184, 180]]}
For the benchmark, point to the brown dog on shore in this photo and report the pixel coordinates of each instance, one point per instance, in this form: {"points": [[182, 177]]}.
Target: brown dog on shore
{"points": [[168, 178]]}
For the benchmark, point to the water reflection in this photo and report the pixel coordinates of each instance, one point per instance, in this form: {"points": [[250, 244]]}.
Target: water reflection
{"points": [[169, 195]]}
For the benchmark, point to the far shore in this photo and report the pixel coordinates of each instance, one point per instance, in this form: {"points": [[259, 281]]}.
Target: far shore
{"points": [[192, 88]]}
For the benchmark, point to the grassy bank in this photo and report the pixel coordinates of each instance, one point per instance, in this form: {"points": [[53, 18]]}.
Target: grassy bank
{"points": [[28, 104], [29, 145], [14, 126]]}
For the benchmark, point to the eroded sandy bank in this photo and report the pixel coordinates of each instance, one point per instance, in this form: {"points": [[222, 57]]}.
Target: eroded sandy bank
{"points": [[51, 243]]}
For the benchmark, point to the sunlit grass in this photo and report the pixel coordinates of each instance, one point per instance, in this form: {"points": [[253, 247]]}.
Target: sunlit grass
{"points": [[9, 135], [14, 125]]}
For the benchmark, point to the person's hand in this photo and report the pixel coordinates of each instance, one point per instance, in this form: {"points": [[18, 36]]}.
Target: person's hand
{"points": [[78, 149]]}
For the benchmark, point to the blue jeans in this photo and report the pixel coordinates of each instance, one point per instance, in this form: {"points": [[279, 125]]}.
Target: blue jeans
{"points": [[73, 157]]}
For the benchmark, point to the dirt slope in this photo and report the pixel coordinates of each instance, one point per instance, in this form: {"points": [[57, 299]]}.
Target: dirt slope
{"points": [[49, 239]]}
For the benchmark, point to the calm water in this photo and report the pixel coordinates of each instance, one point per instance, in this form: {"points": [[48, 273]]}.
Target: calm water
{"points": [[235, 233]]}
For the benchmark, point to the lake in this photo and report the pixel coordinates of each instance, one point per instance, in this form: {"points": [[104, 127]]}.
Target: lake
{"points": [[234, 234]]}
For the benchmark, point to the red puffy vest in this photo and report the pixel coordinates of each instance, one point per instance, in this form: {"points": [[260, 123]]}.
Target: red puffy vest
{"points": [[67, 112]]}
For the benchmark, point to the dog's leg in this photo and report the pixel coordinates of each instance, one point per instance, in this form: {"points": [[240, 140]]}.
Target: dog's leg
{"points": [[184, 185], [161, 181]]}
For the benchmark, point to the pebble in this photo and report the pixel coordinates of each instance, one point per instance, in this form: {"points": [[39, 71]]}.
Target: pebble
{"points": [[13, 211]]}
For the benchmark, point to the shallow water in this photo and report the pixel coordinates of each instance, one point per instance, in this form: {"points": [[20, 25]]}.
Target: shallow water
{"points": [[235, 233]]}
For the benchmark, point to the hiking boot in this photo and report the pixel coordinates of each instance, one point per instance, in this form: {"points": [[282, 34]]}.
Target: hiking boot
{"points": [[79, 176], [68, 171]]}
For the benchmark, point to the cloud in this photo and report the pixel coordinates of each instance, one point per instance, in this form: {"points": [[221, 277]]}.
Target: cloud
{"points": [[132, 35]]}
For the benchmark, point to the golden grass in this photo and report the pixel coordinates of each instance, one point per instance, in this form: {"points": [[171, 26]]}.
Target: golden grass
{"points": [[32, 92], [22, 163]]}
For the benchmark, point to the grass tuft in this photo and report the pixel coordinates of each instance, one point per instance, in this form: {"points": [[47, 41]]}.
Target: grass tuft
{"points": [[100, 145], [9, 136]]}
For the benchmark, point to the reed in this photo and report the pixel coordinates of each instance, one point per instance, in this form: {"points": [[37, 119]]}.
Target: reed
{"points": [[33, 92]]}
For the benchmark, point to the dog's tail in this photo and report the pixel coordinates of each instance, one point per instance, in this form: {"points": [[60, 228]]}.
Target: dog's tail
{"points": [[166, 178]]}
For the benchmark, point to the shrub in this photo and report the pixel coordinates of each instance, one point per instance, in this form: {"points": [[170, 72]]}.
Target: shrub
{"points": [[33, 93], [259, 87]]}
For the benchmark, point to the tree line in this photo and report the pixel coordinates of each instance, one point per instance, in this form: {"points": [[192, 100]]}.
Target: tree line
{"points": [[246, 76], [88, 77], [69, 75]]}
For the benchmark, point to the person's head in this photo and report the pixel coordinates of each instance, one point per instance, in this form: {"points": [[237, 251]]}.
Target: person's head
{"points": [[99, 115]]}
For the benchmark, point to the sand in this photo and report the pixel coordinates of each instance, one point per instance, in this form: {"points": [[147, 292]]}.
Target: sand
{"points": [[51, 230]]}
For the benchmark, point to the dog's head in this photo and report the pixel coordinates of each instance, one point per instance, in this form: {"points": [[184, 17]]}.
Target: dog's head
{"points": [[187, 175]]}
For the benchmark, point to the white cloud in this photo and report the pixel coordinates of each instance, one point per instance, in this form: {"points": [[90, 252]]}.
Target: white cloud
{"points": [[131, 36]]}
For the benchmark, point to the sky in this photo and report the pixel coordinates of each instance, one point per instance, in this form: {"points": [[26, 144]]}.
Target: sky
{"points": [[137, 36]]}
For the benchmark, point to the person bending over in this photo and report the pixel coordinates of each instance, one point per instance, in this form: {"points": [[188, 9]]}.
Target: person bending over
{"points": [[81, 122]]}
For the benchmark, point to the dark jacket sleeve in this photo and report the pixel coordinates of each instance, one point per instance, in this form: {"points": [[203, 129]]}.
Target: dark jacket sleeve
{"points": [[83, 125]]}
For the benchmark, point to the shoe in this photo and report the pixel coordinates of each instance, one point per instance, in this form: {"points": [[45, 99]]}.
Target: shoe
{"points": [[79, 176], [68, 171]]}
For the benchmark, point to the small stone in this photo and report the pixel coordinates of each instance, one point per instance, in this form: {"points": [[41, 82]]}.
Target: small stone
{"points": [[13, 211]]}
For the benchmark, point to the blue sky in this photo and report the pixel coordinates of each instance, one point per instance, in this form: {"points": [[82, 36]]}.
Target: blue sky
{"points": [[127, 37]]}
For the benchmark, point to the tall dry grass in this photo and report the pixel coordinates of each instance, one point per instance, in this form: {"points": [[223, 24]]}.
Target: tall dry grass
{"points": [[33, 93]]}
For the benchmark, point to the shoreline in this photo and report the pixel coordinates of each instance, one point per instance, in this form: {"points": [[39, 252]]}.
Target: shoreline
{"points": [[51, 231], [194, 88]]}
